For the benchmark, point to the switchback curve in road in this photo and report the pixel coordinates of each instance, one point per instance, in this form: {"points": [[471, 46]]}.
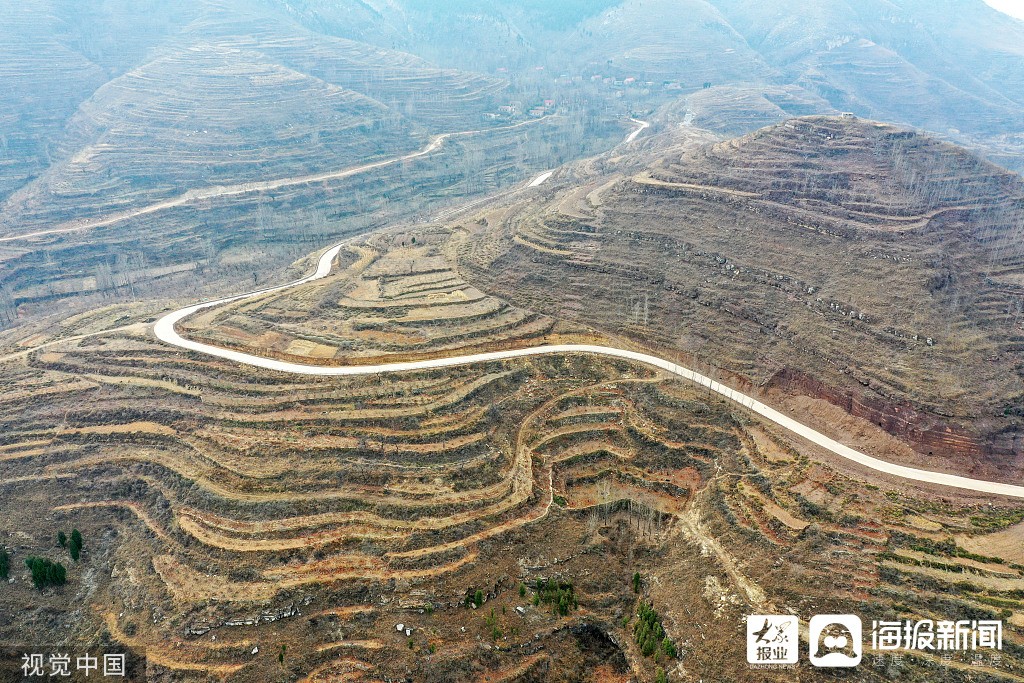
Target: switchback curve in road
{"points": [[164, 329], [642, 124]]}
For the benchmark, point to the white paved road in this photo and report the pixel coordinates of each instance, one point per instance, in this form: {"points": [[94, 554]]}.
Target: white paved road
{"points": [[539, 180], [216, 191], [164, 330], [543, 177], [642, 124]]}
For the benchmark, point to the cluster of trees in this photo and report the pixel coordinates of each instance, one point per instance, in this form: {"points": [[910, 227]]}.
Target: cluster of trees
{"points": [[650, 634], [74, 546], [46, 572], [561, 595]]}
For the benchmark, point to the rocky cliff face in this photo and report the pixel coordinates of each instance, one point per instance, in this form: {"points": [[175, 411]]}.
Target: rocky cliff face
{"points": [[925, 431]]}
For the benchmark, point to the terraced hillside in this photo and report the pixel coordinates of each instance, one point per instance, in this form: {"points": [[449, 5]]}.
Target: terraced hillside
{"points": [[282, 137], [231, 515], [883, 56], [546, 518], [856, 262], [198, 246], [396, 296], [143, 138], [211, 492], [888, 60], [238, 97], [44, 82], [155, 104], [441, 99], [736, 110], [655, 41], [233, 121], [891, 61]]}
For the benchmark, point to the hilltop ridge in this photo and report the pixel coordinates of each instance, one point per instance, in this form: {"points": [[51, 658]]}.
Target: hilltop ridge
{"points": [[860, 262]]}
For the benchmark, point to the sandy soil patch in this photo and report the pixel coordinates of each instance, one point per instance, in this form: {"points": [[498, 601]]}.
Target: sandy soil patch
{"points": [[304, 347], [1007, 544]]}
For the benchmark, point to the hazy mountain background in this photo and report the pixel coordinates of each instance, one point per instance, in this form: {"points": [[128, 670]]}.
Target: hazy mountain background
{"points": [[955, 67], [112, 106]]}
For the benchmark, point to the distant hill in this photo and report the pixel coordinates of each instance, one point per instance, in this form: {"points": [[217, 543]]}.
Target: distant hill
{"points": [[852, 260], [237, 97], [954, 67]]}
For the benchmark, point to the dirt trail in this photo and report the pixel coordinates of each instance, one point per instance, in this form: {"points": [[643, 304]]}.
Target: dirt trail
{"points": [[133, 327], [133, 507], [691, 526]]}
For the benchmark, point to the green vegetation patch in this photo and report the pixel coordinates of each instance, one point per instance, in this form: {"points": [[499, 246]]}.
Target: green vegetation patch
{"points": [[650, 634], [46, 572], [561, 595]]}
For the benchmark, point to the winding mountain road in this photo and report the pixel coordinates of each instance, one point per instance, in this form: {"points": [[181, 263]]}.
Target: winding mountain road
{"points": [[217, 191], [641, 125], [166, 332]]}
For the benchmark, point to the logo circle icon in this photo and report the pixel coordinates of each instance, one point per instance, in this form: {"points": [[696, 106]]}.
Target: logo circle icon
{"points": [[836, 640]]}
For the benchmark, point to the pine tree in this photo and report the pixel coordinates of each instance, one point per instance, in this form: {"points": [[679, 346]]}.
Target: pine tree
{"points": [[35, 565], [62, 539], [75, 548], [5, 563]]}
